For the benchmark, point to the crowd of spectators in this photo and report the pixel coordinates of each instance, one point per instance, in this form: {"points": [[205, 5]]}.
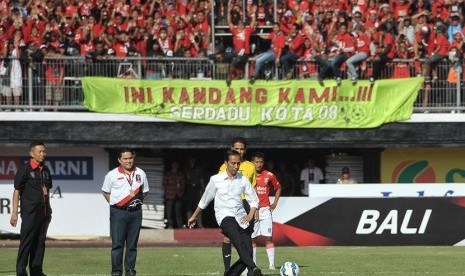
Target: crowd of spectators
{"points": [[334, 33], [347, 33]]}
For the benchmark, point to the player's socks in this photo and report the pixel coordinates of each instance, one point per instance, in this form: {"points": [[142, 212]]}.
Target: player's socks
{"points": [[254, 248], [226, 248], [270, 252]]}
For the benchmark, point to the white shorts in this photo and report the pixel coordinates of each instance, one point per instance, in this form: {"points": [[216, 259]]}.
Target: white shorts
{"points": [[264, 225], [8, 92]]}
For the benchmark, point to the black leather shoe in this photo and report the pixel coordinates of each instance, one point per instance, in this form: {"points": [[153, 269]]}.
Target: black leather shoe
{"points": [[37, 273], [256, 272]]}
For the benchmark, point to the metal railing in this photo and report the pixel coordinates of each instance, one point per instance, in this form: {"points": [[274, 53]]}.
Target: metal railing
{"points": [[55, 82]]}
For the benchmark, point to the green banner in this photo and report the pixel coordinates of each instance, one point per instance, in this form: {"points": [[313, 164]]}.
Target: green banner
{"points": [[294, 103]]}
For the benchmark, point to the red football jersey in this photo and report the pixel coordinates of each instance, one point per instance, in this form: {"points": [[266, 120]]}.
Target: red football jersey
{"points": [[265, 180]]}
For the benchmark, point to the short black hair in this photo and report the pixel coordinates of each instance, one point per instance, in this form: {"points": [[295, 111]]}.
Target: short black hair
{"points": [[229, 153], [36, 143], [123, 150], [239, 140], [258, 154]]}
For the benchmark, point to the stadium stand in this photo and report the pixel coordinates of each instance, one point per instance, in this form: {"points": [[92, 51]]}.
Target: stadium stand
{"points": [[48, 45]]}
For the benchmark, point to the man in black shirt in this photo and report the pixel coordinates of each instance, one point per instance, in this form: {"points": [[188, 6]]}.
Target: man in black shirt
{"points": [[99, 64], [32, 185]]}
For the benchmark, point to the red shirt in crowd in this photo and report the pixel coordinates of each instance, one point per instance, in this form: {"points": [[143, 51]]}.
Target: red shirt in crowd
{"points": [[370, 24], [346, 42], [296, 43], [308, 53], [141, 47], [338, 5], [36, 39], [97, 30], [71, 10], [278, 40], [426, 39], [301, 7], [241, 39], [287, 23], [87, 47], [121, 26], [184, 6], [443, 44], [54, 70], [165, 44], [388, 39], [85, 9], [401, 10], [363, 43], [202, 26], [440, 10], [121, 49]]}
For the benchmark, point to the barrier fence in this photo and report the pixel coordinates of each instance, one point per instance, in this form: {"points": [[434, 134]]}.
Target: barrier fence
{"points": [[55, 82]]}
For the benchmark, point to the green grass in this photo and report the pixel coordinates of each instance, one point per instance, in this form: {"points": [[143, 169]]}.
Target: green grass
{"points": [[421, 260]]}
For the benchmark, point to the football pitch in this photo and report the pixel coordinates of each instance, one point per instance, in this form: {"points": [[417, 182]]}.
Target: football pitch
{"points": [[411, 260]]}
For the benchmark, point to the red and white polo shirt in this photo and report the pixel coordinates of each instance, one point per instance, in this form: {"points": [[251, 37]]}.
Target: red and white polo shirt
{"points": [[118, 184]]}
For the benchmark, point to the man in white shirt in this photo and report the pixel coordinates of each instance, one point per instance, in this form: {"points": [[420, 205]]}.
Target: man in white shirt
{"points": [[226, 189], [310, 175], [125, 188]]}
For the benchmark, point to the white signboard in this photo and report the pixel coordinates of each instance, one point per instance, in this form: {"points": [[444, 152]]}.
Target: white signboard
{"points": [[78, 207], [387, 190]]}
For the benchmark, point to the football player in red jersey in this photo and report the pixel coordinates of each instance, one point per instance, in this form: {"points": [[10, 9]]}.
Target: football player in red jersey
{"points": [[264, 225]]}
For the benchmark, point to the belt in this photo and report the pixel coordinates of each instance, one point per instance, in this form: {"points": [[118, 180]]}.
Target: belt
{"points": [[129, 209]]}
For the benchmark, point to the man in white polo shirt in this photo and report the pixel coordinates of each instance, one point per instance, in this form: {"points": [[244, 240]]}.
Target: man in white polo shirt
{"points": [[226, 189], [125, 188]]}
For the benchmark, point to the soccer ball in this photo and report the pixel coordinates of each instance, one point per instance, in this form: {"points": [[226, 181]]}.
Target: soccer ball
{"points": [[289, 269]]}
